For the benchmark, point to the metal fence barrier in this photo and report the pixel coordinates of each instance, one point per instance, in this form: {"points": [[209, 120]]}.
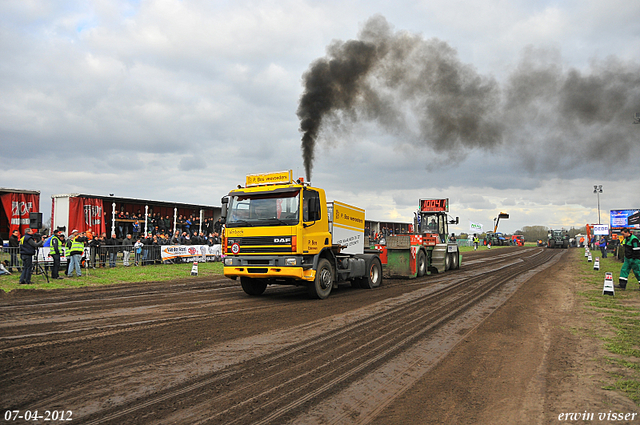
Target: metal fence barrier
{"points": [[113, 256], [12, 257]]}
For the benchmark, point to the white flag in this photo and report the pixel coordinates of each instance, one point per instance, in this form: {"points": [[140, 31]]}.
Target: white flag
{"points": [[475, 227]]}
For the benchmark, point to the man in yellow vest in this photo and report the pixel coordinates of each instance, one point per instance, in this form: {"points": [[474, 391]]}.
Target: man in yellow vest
{"points": [[56, 250], [76, 249], [476, 242]]}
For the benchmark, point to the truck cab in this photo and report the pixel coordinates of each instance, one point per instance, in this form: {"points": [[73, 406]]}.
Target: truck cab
{"points": [[280, 231], [434, 223]]}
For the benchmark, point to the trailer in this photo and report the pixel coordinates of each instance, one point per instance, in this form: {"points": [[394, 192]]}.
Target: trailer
{"points": [[17, 207], [284, 232], [103, 214], [429, 250]]}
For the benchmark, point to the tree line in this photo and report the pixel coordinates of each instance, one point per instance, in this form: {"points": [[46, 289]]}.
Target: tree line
{"points": [[534, 233]]}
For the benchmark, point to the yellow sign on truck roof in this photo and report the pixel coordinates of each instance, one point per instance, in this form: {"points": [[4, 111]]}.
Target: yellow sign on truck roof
{"points": [[278, 177]]}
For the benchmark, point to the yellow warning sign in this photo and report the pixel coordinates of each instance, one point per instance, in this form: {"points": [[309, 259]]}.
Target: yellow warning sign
{"points": [[270, 178], [348, 217]]}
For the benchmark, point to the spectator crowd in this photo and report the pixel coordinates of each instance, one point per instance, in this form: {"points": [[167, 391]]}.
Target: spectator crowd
{"points": [[159, 225], [128, 237]]}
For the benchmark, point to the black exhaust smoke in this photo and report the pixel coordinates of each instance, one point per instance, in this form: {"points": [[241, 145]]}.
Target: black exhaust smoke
{"points": [[384, 76], [419, 89], [332, 84]]}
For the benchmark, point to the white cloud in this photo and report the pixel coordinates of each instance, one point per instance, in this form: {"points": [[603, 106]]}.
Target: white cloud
{"points": [[206, 92]]}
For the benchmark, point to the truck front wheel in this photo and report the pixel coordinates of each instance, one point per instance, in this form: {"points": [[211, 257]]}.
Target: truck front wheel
{"points": [[253, 286], [321, 287]]}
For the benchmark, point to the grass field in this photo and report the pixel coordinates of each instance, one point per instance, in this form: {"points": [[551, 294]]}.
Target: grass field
{"points": [[616, 323], [114, 276]]}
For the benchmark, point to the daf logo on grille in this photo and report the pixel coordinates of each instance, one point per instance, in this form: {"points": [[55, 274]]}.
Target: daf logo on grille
{"points": [[281, 240]]}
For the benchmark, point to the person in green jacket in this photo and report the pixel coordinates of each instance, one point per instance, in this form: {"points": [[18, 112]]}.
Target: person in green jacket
{"points": [[631, 245]]}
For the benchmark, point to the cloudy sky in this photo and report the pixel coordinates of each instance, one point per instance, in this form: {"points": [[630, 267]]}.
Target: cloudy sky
{"points": [[512, 106]]}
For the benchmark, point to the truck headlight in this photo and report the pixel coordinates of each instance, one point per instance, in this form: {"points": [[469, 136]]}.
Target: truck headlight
{"points": [[290, 262], [228, 261]]}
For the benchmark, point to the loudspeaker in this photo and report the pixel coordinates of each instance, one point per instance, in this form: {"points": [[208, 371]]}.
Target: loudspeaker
{"points": [[35, 220]]}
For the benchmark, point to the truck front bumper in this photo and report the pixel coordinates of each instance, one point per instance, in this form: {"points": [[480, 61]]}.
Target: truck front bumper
{"points": [[265, 267]]}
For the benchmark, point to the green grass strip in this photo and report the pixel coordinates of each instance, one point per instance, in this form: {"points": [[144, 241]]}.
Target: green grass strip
{"points": [[114, 276], [620, 313]]}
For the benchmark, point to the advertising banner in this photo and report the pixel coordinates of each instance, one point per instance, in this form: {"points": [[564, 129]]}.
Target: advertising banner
{"points": [[17, 207], [625, 218], [600, 229], [86, 213], [44, 257], [348, 227], [475, 227], [187, 253]]}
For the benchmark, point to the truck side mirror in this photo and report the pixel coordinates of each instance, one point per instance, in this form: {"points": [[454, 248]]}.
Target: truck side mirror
{"points": [[225, 205]]}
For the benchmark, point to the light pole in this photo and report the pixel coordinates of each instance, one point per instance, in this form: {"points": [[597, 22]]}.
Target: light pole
{"points": [[597, 189]]}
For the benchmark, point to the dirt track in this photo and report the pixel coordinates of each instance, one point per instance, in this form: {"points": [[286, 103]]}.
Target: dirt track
{"points": [[204, 352]]}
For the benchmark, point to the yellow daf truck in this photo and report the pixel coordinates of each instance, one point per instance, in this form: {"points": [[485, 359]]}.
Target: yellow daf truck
{"points": [[281, 231]]}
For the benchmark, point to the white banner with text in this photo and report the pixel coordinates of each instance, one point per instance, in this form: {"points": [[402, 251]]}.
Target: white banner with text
{"points": [[475, 227], [191, 252], [600, 229]]}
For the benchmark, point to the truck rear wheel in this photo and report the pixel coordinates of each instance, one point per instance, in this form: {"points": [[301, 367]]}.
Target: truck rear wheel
{"points": [[373, 279], [447, 261], [320, 288], [421, 263], [253, 286]]}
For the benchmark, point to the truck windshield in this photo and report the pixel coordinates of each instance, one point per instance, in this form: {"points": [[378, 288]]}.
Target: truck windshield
{"points": [[430, 223], [271, 209]]}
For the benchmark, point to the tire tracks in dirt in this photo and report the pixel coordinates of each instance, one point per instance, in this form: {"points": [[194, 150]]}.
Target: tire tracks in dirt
{"points": [[300, 377], [305, 371]]}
